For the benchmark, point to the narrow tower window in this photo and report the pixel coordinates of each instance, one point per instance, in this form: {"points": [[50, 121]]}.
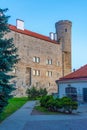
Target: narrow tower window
{"points": [[65, 29]]}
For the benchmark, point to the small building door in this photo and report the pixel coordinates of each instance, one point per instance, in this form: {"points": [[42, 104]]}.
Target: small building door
{"points": [[85, 94]]}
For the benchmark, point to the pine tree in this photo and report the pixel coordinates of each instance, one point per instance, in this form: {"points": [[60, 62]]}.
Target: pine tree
{"points": [[8, 60]]}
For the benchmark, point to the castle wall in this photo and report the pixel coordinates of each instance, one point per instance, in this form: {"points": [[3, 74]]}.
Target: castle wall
{"points": [[28, 48], [40, 74]]}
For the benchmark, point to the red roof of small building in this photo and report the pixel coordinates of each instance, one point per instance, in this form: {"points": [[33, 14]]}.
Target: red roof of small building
{"points": [[32, 34], [78, 74]]}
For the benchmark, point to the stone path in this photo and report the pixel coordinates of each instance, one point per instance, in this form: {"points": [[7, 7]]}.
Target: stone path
{"points": [[23, 120]]}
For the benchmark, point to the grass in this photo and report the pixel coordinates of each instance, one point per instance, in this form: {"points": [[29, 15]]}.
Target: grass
{"points": [[13, 105]]}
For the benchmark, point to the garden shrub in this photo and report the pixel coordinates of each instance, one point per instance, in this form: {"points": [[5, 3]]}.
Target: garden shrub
{"points": [[58, 104], [68, 104], [50, 104], [64, 104], [34, 93], [45, 99], [42, 92]]}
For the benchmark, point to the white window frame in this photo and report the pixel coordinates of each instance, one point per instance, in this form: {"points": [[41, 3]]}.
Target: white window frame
{"points": [[49, 61], [58, 63], [33, 59], [36, 72], [36, 59], [33, 72], [49, 73]]}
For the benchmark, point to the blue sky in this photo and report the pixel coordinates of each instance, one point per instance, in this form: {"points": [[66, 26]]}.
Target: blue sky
{"points": [[41, 15]]}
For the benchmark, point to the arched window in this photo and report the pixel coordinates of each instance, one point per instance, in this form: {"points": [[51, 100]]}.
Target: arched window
{"points": [[71, 92]]}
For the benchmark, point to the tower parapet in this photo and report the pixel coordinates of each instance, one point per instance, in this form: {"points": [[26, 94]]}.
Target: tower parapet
{"points": [[63, 30]]}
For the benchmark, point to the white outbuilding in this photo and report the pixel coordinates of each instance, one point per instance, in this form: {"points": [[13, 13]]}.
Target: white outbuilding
{"points": [[74, 85]]}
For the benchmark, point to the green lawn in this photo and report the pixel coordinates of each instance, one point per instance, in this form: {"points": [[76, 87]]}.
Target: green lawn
{"points": [[14, 104]]}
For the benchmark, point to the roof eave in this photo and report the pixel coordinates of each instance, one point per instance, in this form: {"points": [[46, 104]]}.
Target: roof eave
{"points": [[32, 34]]}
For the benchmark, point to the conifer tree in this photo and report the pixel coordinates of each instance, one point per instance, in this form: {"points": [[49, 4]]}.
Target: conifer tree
{"points": [[8, 60]]}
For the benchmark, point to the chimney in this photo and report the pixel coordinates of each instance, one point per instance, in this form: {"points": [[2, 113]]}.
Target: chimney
{"points": [[55, 36], [20, 24], [51, 35], [74, 70]]}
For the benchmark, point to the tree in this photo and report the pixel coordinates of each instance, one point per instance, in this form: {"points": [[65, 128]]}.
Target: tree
{"points": [[34, 93], [8, 60]]}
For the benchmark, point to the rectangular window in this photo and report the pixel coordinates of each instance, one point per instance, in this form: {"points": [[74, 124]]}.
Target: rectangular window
{"points": [[36, 59], [58, 63], [49, 61], [33, 72], [65, 29], [49, 73], [36, 72], [33, 59]]}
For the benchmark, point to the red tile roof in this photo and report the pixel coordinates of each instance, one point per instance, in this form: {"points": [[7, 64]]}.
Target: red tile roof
{"points": [[32, 34], [78, 74]]}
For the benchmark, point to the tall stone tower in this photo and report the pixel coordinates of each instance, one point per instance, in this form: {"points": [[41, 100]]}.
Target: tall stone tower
{"points": [[63, 30]]}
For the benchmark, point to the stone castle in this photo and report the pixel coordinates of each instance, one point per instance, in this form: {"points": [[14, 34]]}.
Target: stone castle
{"points": [[43, 59]]}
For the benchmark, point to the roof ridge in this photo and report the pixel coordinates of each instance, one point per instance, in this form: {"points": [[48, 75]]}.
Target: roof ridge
{"points": [[33, 34]]}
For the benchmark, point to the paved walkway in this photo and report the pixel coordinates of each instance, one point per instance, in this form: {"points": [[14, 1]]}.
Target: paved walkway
{"points": [[23, 120]]}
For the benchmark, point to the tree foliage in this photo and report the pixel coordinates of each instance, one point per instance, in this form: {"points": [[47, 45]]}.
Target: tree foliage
{"points": [[34, 93], [8, 60]]}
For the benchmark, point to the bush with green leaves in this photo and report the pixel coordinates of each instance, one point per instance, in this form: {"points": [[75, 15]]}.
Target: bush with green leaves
{"points": [[64, 104], [44, 100], [34, 93], [50, 103], [68, 104], [42, 92]]}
